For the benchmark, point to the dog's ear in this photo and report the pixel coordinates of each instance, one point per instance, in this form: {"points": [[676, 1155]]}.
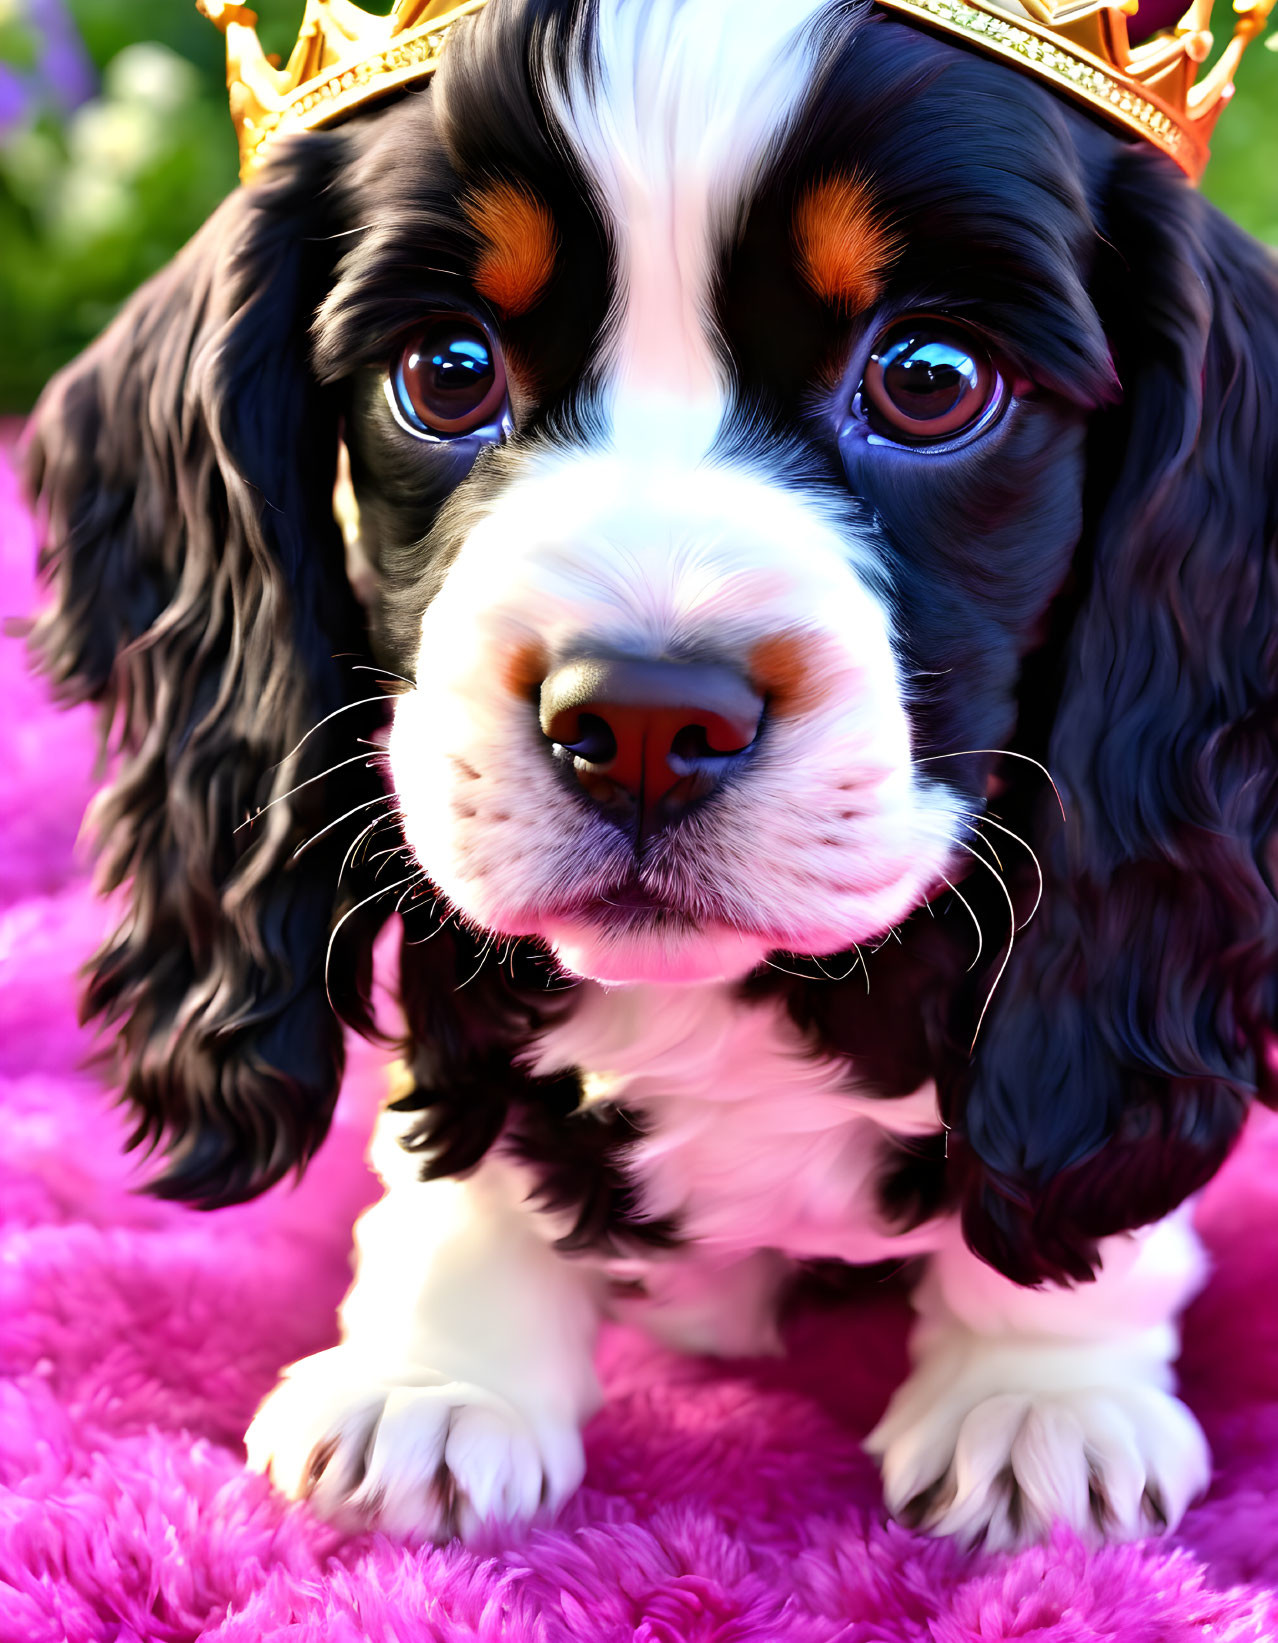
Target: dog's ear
{"points": [[1131, 1029], [183, 468]]}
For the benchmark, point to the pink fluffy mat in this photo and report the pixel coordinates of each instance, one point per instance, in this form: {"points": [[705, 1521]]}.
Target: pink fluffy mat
{"points": [[723, 1504]]}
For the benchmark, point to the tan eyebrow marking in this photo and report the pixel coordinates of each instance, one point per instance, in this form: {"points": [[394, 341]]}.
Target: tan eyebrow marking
{"points": [[519, 243], [843, 245]]}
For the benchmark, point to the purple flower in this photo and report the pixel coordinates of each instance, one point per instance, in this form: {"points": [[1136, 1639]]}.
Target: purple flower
{"points": [[15, 99], [63, 74]]}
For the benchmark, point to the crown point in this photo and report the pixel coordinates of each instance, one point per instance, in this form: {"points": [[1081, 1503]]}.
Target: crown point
{"points": [[1197, 46], [224, 12]]}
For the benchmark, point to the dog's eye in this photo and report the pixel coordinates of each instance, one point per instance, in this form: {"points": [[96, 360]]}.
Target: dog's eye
{"points": [[927, 382], [450, 379]]}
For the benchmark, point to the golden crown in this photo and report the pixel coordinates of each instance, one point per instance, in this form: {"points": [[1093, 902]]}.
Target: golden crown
{"points": [[346, 57]]}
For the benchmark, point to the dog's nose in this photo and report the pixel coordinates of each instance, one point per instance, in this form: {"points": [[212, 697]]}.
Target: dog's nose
{"points": [[645, 738]]}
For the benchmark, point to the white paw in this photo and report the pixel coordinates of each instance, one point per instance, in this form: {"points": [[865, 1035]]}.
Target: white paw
{"points": [[422, 1457], [993, 1443]]}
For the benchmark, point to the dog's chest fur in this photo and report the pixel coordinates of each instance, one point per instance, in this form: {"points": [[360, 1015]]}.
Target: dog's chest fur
{"points": [[745, 1137]]}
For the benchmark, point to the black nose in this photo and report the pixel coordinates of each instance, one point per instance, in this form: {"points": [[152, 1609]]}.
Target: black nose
{"points": [[647, 739]]}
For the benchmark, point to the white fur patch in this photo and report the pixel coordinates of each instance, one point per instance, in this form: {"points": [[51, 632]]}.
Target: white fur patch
{"points": [[748, 1137], [690, 99]]}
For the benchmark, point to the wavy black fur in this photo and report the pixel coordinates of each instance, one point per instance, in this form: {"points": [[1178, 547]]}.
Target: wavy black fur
{"points": [[185, 466], [1133, 1030]]}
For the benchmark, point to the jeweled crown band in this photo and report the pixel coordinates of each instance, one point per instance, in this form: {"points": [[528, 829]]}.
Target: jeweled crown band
{"points": [[411, 57], [1073, 71], [346, 57]]}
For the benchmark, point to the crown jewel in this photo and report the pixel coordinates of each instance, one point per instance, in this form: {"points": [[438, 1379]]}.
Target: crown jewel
{"points": [[346, 57]]}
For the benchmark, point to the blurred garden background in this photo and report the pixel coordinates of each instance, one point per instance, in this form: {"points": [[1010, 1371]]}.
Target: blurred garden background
{"points": [[115, 144]]}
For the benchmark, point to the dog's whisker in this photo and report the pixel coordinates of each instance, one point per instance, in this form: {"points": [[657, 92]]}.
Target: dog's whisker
{"points": [[385, 673], [354, 845], [365, 701], [971, 825], [799, 975], [412, 881], [1003, 753], [382, 798], [827, 974], [547, 962], [376, 827], [980, 939], [449, 916], [1011, 939], [350, 913], [781, 970], [271, 803], [1029, 850], [360, 841], [483, 959]]}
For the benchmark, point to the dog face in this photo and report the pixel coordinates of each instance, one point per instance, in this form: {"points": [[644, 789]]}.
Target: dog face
{"points": [[772, 435], [787, 405]]}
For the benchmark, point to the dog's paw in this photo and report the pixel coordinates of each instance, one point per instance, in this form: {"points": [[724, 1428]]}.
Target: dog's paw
{"points": [[427, 1459], [1113, 1458]]}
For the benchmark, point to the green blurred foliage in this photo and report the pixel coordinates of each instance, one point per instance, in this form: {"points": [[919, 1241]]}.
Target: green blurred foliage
{"points": [[1243, 175], [18, 43], [88, 209], [92, 204]]}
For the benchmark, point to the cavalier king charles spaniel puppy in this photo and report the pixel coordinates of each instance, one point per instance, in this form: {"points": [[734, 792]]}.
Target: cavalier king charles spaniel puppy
{"points": [[779, 437]]}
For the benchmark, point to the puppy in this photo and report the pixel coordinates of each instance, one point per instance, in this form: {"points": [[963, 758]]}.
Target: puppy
{"points": [[780, 437]]}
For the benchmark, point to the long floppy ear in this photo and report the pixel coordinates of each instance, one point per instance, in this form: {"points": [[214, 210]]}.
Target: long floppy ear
{"points": [[184, 469], [1131, 1030]]}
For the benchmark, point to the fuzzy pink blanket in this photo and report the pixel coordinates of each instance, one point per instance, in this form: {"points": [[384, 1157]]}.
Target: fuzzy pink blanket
{"points": [[723, 1504]]}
